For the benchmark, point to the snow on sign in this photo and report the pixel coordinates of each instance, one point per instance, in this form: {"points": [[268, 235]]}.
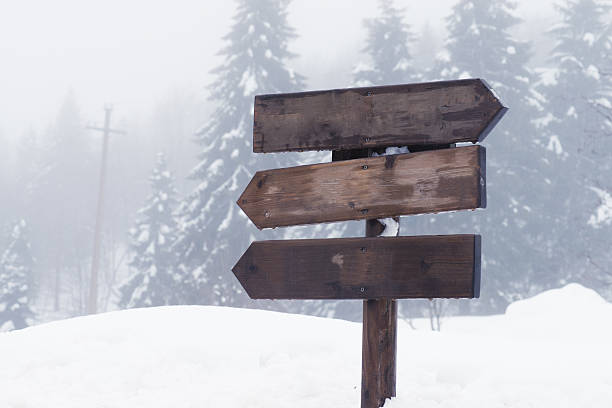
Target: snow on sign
{"points": [[425, 120]]}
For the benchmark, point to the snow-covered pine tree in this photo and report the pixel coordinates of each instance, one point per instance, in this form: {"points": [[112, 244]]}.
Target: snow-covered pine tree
{"points": [[214, 232], [580, 141], [155, 281], [388, 46], [16, 280], [480, 45]]}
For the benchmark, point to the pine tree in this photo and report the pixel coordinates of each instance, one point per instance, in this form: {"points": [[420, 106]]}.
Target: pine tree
{"points": [[213, 231], [387, 44], [513, 225], [16, 281], [580, 139], [155, 281], [61, 202]]}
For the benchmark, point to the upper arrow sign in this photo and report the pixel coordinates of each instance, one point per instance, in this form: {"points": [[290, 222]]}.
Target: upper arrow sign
{"points": [[435, 113]]}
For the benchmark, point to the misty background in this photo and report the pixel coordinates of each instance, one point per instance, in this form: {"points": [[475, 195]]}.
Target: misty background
{"points": [[181, 79]]}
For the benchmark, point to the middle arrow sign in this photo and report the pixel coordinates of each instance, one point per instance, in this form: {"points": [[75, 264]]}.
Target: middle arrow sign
{"points": [[374, 187]]}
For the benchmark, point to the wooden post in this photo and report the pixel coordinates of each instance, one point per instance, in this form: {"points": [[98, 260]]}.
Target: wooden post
{"points": [[379, 342]]}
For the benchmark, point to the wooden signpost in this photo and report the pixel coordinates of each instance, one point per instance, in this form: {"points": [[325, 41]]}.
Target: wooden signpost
{"points": [[357, 124]]}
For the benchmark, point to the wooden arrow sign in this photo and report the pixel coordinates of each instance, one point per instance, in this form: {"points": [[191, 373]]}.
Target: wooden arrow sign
{"points": [[362, 268], [434, 113], [375, 187]]}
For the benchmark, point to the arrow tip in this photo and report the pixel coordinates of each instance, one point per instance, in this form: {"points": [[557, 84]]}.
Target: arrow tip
{"points": [[243, 200], [243, 268], [501, 111]]}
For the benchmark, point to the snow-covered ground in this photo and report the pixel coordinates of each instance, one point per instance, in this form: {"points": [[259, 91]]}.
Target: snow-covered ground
{"points": [[554, 350]]}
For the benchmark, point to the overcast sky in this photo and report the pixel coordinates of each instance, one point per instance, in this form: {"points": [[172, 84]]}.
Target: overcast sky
{"points": [[134, 52]]}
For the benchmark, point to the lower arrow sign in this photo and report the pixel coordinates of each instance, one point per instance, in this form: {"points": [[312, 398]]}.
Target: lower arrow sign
{"points": [[446, 266]]}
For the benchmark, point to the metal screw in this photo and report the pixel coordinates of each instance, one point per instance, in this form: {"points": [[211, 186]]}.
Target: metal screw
{"points": [[267, 214], [362, 290], [365, 167], [369, 93], [367, 139], [364, 211], [364, 249]]}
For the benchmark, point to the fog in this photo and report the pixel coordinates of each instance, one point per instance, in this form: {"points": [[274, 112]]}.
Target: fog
{"points": [[169, 71], [135, 53]]}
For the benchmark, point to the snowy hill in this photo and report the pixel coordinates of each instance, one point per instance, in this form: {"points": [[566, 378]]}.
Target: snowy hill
{"points": [[549, 351]]}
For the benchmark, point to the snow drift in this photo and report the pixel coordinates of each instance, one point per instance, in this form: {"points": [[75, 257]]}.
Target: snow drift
{"points": [[552, 350]]}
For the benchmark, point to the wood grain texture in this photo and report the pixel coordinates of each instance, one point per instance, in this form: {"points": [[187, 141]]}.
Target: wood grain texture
{"points": [[388, 366], [379, 342], [374, 187], [434, 113], [362, 268], [378, 352]]}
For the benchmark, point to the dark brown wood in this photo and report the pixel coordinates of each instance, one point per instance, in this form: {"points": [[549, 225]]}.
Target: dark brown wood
{"points": [[374, 228], [389, 355], [434, 113], [361, 268], [379, 342], [374, 187], [340, 155]]}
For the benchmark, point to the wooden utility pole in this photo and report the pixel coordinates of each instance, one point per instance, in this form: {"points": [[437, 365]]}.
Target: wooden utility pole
{"points": [[92, 303]]}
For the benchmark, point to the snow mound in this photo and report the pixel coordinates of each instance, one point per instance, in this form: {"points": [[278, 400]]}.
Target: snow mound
{"points": [[195, 356], [575, 312], [573, 300], [181, 356]]}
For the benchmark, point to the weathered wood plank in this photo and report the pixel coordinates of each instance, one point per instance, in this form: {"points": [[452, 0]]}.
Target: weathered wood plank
{"points": [[374, 187], [362, 268], [434, 113]]}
